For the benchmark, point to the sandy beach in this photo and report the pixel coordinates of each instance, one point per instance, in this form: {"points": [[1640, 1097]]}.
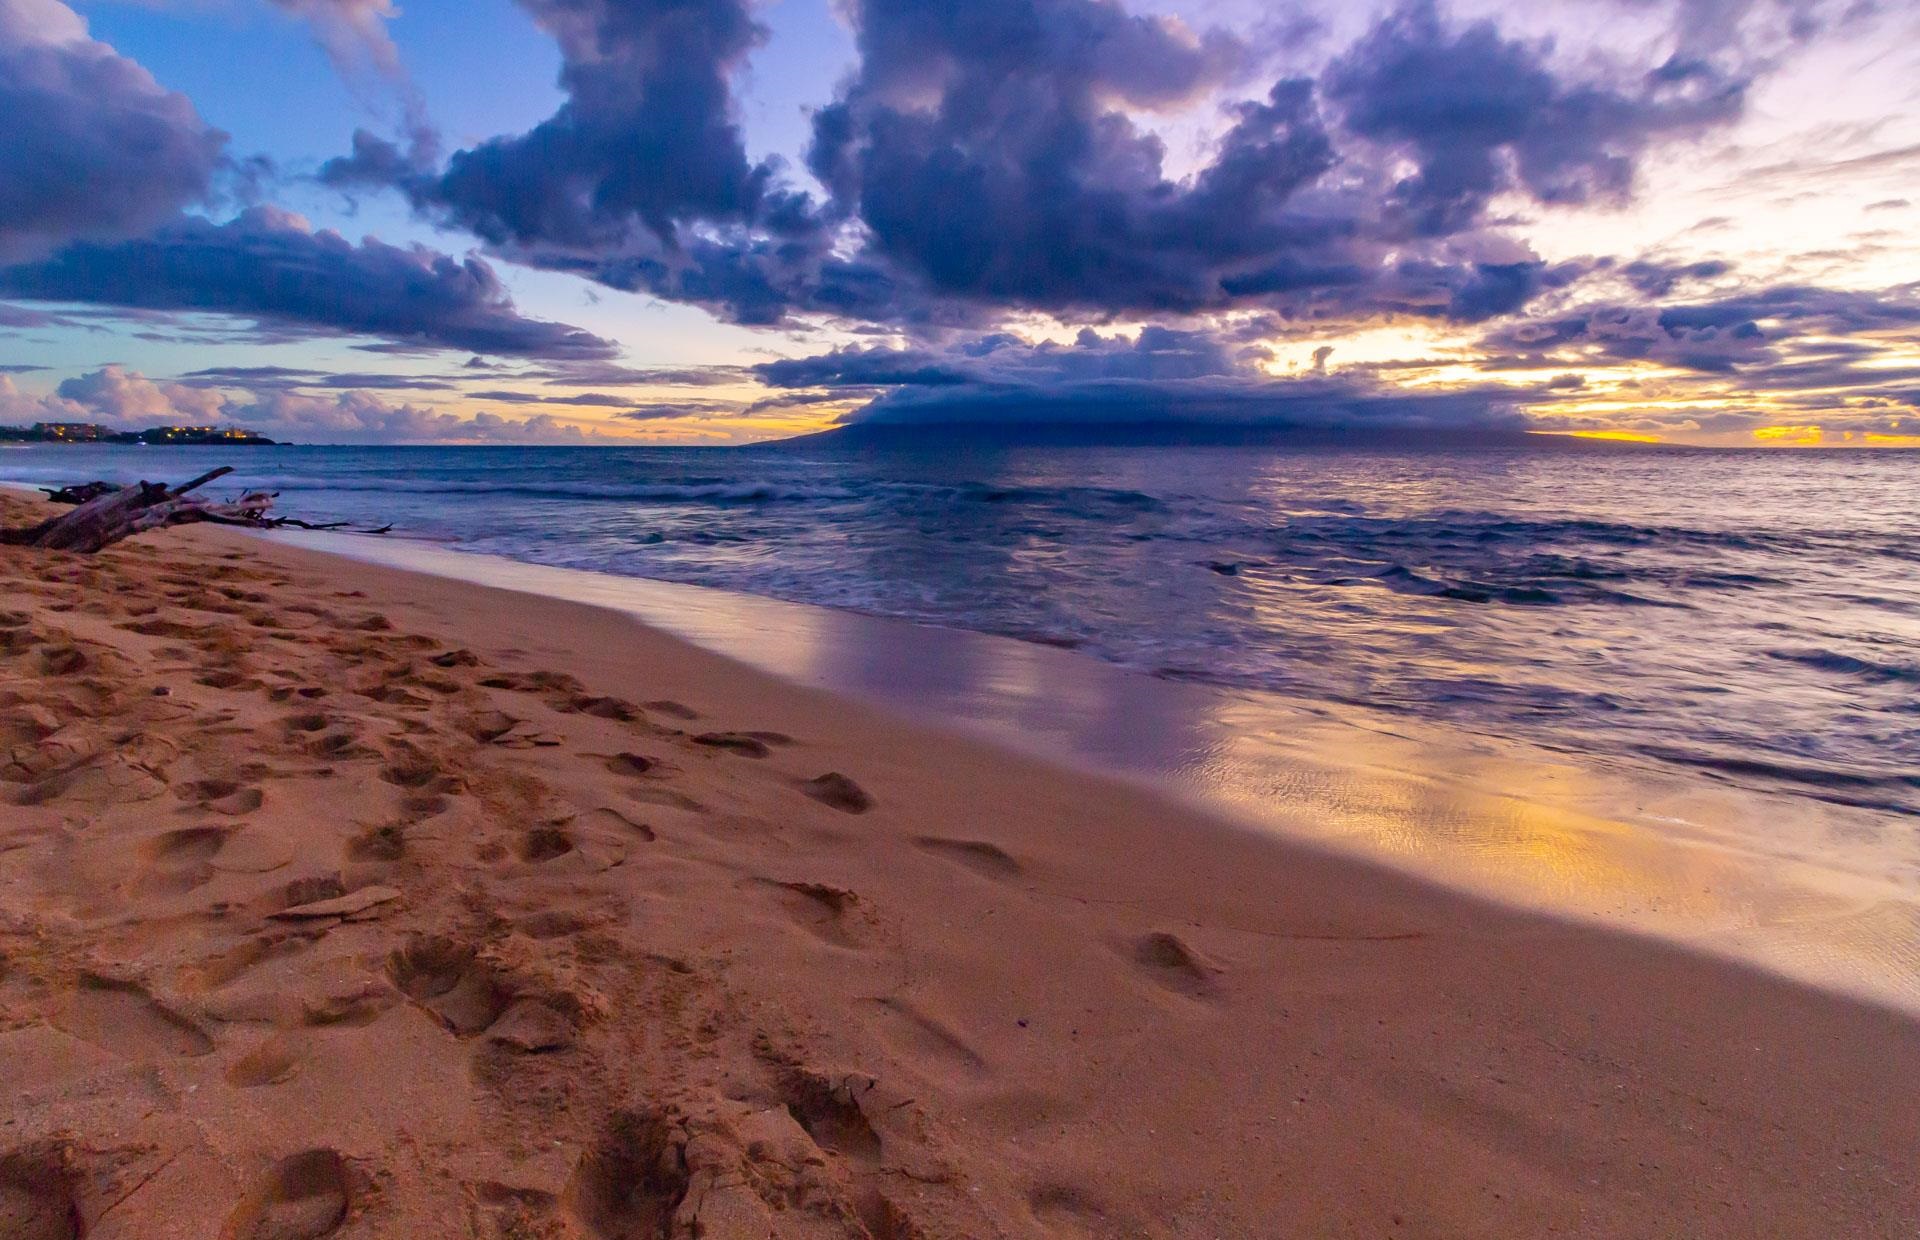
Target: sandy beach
{"points": [[341, 901]]}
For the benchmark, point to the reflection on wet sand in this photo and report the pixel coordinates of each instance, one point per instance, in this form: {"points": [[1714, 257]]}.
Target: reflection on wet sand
{"points": [[1829, 894]]}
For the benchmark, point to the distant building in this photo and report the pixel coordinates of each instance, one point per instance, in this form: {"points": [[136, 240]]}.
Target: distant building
{"points": [[89, 432], [202, 435], [71, 432]]}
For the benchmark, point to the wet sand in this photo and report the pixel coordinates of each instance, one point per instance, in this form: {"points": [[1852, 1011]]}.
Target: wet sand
{"points": [[337, 900], [1822, 892]]}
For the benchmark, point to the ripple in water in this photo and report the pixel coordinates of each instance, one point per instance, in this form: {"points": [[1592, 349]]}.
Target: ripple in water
{"points": [[1754, 616]]}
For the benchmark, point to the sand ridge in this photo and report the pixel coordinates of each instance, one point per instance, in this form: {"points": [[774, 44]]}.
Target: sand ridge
{"points": [[335, 902]]}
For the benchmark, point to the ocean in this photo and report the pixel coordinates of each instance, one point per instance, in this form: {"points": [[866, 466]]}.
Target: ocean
{"points": [[1749, 617]]}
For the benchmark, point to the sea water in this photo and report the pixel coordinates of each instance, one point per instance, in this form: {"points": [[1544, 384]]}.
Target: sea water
{"points": [[1752, 617]]}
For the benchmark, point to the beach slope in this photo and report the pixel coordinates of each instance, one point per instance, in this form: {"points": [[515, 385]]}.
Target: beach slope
{"points": [[340, 901]]}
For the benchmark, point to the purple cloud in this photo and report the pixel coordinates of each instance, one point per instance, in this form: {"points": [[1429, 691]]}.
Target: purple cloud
{"points": [[94, 148]]}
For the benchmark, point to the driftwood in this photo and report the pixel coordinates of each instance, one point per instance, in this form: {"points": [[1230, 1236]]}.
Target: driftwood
{"points": [[109, 513], [79, 494]]}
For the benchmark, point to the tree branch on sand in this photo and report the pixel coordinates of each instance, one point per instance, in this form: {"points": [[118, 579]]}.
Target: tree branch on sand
{"points": [[105, 512]]}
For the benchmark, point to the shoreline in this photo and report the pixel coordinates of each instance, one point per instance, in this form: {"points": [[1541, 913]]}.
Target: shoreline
{"points": [[1637, 849], [642, 973]]}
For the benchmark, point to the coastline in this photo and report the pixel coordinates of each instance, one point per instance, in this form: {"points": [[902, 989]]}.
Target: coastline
{"points": [[1651, 852], [628, 980]]}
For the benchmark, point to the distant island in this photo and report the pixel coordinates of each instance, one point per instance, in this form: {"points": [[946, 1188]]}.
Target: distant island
{"points": [[90, 432], [1085, 432]]}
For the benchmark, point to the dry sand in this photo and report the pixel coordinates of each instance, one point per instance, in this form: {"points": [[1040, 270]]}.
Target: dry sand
{"points": [[338, 901]]}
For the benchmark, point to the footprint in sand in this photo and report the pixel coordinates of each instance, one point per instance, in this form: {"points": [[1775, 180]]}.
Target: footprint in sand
{"points": [[569, 851], [226, 679], [630, 1185], [667, 797], [1170, 962], [301, 1198], [418, 807], [418, 772], [632, 764], [38, 1201], [121, 1017], [611, 822], [381, 843], [224, 796], [748, 744], [338, 746], [535, 682], [178, 861], [838, 791], [488, 726], [309, 890], [672, 709], [599, 707], [830, 913], [977, 855], [275, 1060], [1065, 1210], [225, 966], [62, 661], [829, 1110], [186, 845], [448, 980], [544, 843]]}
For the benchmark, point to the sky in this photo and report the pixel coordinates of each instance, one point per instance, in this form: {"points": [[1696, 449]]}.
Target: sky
{"points": [[720, 221]]}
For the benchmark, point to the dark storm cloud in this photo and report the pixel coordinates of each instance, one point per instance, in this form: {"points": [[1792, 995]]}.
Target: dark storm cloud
{"points": [[1161, 376], [1481, 113], [1024, 181], [268, 265], [641, 180], [93, 147], [989, 154], [989, 157], [646, 140]]}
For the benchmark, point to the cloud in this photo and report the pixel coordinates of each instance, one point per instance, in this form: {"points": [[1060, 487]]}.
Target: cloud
{"points": [[294, 377], [19, 407], [1482, 114], [353, 33], [123, 398], [986, 151], [362, 417], [269, 265], [996, 157], [94, 148], [595, 374], [667, 411], [645, 142], [1744, 331], [1657, 278], [1160, 376]]}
